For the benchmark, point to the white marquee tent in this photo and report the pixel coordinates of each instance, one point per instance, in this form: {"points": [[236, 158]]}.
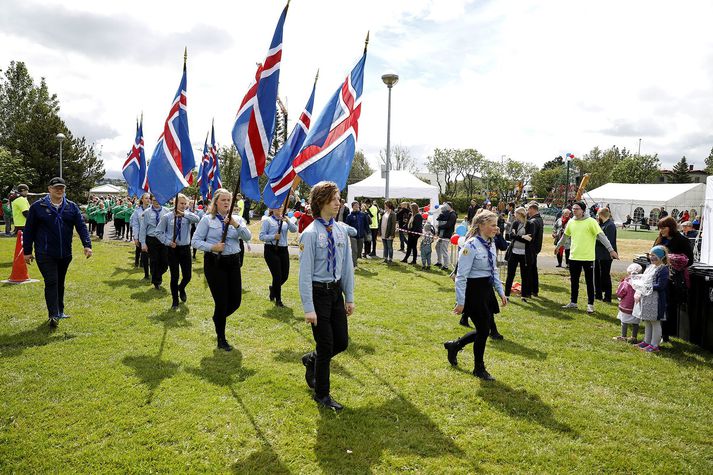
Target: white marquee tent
{"points": [[402, 184], [645, 200], [707, 225], [107, 189]]}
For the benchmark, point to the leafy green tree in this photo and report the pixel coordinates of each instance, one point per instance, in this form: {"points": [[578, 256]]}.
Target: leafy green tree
{"points": [[29, 124], [709, 163], [554, 163], [360, 168], [229, 161], [470, 163], [600, 164], [444, 165], [680, 174], [637, 169], [545, 180]]}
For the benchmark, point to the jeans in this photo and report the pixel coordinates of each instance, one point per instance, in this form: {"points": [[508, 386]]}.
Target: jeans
{"points": [[402, 239], [575, 270], [179, 258], [388, 249], [602, 279], [54, 272], [331, 333]]}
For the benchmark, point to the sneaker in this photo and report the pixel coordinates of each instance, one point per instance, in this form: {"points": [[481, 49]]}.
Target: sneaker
{"points": [[642, 345], [570, 305], [652, 349], [620, 338], [645, 347], [590, 308], [54, 322], [62, 315]]}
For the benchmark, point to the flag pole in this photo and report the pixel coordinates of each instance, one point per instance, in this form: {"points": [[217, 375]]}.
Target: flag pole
{"points": [[175, 200], [366, 43]]}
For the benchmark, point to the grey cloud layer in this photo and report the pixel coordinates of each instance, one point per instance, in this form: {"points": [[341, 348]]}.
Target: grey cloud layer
{"points": [[103, 37]]}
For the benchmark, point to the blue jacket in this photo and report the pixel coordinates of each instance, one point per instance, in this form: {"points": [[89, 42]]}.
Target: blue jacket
{"points": [[50, 229], [359, 221]]}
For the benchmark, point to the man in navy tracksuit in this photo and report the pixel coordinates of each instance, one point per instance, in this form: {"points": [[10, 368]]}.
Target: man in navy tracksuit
{"points": [[50, 225]]}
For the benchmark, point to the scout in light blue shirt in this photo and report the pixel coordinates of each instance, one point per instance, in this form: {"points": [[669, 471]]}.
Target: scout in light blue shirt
{"points": [[182, 225], [210, 231], [135, 221], [269, 229], [326, 284], [149, 221], [473, 262]]}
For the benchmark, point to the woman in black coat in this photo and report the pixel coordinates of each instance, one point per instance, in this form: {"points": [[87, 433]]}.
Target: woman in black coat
{"points": [[521, 253], [676, 243], [415, 227]]}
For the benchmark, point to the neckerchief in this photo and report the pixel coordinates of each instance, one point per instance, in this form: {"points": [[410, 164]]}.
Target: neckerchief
{"points": [[179, 220], [331, 254], [222, 220], [490, 258], [157, 213], [279, 226]]}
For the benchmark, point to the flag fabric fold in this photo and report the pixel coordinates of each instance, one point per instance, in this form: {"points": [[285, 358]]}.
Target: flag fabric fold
{"points": [[214, 175], [172, 161], [280, 171], [203, 170], [328, 151], [255, 121], [134, 169]]}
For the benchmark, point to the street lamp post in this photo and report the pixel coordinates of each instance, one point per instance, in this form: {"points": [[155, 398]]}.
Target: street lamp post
{"points": [[390, 80], [566, 188], [60, 136]]}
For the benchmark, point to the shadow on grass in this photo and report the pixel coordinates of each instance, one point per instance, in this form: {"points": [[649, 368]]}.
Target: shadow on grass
{"points": [[688, 354], [15, 344], [150, 294], [515, 348], [295, 357], [223, 368], [545, 307], [131, 282], [396, 427], [173, 318], [519, 403], [284, 314], [152, 370], [361, 270], [555, 289]]}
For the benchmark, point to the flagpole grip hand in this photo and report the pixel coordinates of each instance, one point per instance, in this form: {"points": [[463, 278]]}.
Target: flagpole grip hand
{"points": [[173, 245], [218, 247]]}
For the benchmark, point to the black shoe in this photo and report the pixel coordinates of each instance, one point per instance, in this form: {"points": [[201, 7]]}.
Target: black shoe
{"points": [[606, 300], [445, 269], [272, 294], [536, 295], [224, 345], [453, 348], [328, 402], [147, 277], [308, 362], [174, 305], [404, 259], [54, 322], [437, 265], [182, 295], [157, 286], [464, 321], [496, 336], [278, 303], [483, 374]]}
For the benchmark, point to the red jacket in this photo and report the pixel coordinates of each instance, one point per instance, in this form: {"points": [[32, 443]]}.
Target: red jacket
{"points": [[305, 220]]}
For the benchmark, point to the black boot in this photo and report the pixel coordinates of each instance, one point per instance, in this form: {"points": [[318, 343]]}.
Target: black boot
{"points": [[308, 361], [482, 373], [453, 347], [224, 345], [464, 321]]}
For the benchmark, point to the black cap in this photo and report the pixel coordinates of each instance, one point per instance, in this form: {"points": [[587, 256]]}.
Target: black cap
{"points": [[57, 181], [22, 186]]}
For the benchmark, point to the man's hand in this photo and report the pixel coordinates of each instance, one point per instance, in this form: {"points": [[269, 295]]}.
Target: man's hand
{"points": [[29, 258], [614, 255], [503, 300], [277, 237], [88, 252], [218, 247], [349, 307], [311, 317], [137, 243], [173, 245], [144, 248], [458, 309]]}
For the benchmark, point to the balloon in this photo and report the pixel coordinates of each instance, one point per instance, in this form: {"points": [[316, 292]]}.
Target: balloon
{"points": [[425, 215], [290, 214], [437, 206], [426, 208], [461, 230], [302, 201], [454, 239], [461, 241], [297, 214]]}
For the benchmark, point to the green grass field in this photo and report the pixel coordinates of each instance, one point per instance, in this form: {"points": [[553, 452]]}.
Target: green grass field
{"points": [[126, 385]]}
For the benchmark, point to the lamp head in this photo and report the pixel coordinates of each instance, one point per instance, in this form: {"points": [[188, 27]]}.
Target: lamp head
{"points": [[60, 137], [390, 79]]}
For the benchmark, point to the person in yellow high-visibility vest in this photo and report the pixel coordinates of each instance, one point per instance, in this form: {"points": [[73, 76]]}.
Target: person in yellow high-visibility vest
{"points": [[20, 207], [373, 212]]}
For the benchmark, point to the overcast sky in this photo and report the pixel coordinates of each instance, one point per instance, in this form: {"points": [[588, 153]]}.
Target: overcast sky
{"points": [[528, 79]]}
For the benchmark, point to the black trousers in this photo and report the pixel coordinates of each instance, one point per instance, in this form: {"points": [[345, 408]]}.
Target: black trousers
{"points": [[534, 278], [54, 272], [331, 333], [158, 261], [403, 239], [575, 270], [139, 255], [179, 262], [374, 235], [515, 261], [278, 261], [602, 279], [118, 228], [411, 246], [100, 230], [225, 284]]}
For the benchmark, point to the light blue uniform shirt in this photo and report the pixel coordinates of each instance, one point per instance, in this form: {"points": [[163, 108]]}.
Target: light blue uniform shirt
{"points": [[149, 223], [165, 228], [269, 227], [473, 262], [210, 231], [135, 221], [313, 261]]}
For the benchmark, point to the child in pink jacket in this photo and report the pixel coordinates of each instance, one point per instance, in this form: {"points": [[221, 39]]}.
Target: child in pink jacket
{"points": [[625, 293]]}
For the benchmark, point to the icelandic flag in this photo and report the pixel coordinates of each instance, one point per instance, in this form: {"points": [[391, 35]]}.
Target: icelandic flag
{"points": [[172, 161], [203, 169], [280, 170], [329, 148], [215, 181], [134, 169], [255, 121]]}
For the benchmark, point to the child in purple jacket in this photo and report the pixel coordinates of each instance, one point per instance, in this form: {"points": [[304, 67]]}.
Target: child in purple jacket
{"points": [[625, 293]]}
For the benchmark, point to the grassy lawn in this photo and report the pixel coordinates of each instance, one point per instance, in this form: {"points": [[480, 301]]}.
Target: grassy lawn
{"points": [[127, 386]]}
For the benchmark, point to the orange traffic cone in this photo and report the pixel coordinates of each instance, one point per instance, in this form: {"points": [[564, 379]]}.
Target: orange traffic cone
{"points": [[19, 273]]}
